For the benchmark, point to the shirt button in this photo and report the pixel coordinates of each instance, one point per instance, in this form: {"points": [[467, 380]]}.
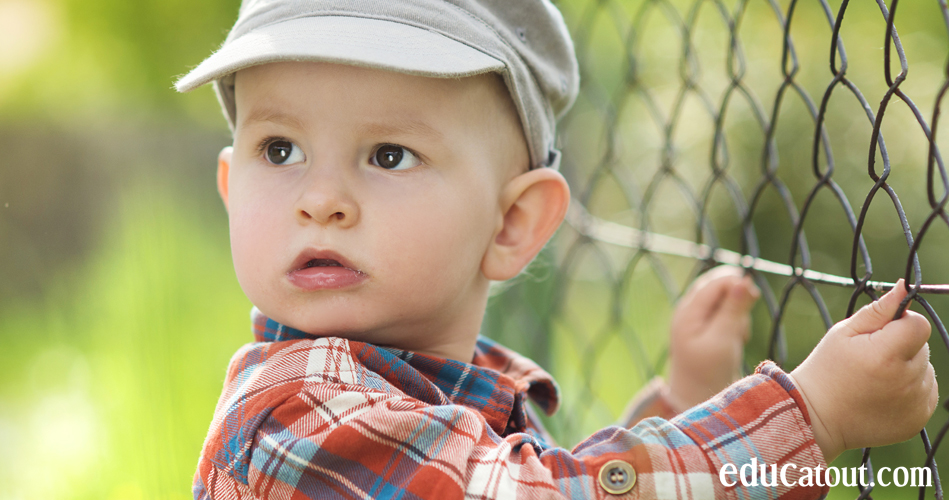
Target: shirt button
{"points": [[617, 477]]}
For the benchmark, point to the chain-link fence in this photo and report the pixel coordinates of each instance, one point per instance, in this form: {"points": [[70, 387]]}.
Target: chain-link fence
{"points": [[776, 135]]}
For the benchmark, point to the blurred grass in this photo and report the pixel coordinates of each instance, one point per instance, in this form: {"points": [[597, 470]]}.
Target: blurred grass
{"points": [[110, 382]]}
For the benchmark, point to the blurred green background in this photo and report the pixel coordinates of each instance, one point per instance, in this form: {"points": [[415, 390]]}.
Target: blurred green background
{"points": [[119, 308]]}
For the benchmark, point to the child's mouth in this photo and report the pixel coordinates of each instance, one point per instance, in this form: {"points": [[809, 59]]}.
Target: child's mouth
{"points": [[322, 263], [321, 270]]}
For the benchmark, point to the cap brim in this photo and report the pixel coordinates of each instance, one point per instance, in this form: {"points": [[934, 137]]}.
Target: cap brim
{"points": [[365, 42]]}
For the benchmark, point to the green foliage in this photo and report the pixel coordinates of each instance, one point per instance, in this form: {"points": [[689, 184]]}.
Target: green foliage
{"points": [[117, 58], [112, 382]]}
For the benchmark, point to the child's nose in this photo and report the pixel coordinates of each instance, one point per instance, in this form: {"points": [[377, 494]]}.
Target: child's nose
{"points": [[326, 199]]}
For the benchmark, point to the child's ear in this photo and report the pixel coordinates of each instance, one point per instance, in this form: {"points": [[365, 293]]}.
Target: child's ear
{"points": [[533, 206], [223, 166]]}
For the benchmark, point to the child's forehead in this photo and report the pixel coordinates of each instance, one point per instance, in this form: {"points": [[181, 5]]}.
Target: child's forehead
{"points": [[276, 90]]}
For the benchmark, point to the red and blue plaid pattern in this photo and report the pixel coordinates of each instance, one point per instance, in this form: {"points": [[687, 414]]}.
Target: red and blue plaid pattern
{"points": [[304, 418]]}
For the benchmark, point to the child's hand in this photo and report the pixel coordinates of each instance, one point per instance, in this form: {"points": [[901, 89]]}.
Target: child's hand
{"points": [[709, 329], [869, 381]]}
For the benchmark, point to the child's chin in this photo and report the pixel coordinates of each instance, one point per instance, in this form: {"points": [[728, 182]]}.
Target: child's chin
{"points": [[329, 322]]}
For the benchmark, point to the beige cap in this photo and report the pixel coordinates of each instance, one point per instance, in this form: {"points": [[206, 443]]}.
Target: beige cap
{"points": [[526, 41]]}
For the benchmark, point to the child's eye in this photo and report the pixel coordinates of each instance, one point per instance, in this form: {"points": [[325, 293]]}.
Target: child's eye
{"points": [[282, 152], [392, 157]]}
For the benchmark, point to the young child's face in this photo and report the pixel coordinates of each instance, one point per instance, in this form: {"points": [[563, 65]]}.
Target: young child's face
{"points": [[361, 202]]}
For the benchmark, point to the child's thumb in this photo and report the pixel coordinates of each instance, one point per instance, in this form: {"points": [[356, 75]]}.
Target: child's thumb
{"points": [[877, 314]]}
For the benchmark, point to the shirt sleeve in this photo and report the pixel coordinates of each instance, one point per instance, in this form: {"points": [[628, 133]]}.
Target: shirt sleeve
{"points": [[650, 401], [339, 440]]}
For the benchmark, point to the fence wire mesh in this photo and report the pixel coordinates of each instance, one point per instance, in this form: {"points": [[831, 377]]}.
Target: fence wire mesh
{"points": [[775, 135]]}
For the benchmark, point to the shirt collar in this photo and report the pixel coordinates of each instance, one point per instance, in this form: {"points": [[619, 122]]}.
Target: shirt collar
{"points": [[496, 383]]}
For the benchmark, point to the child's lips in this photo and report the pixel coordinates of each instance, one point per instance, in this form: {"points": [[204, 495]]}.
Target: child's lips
{"points": [[320, 278], [323, 269]]}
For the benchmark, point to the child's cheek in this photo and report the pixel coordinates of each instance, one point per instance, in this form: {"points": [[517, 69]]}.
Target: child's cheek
{"points": [[254, 227], [414, 246], [243, 250]]}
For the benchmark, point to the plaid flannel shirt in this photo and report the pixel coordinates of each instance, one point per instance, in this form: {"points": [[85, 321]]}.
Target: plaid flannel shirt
{"points": [[304, 418]]}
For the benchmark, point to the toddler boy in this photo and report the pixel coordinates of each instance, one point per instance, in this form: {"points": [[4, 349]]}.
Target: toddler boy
{"points": [[390, 160]]}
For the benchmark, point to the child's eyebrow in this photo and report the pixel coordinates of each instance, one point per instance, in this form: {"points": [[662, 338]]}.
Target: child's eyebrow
{"points": [[270, 115], [401, 127], [391, 127]]}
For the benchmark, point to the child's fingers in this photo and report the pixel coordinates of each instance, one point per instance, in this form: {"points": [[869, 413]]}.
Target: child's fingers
{"points": [[718, 272], [927, 393], [930, 390], [741, 297], [877, 314], [733, 308], [710, 290], [906, 336], [933, 388], [739, 303]]}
